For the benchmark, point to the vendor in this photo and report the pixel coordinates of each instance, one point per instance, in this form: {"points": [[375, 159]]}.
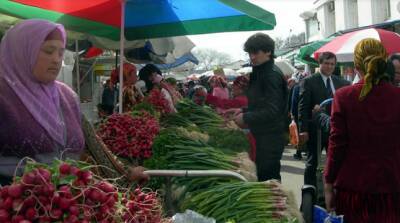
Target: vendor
{"points": [[147, 74], [40, 117], [219, 87], [132, 95], [239, 99]]}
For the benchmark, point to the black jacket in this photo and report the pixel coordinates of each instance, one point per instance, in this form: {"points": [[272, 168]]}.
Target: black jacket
{"points": [[267, 100], [313, 92]]}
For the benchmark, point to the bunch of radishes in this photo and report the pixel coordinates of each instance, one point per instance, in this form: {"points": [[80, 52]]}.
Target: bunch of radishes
{"points": [[142, 207], [60, 193], [158, 100], [130, 136]]}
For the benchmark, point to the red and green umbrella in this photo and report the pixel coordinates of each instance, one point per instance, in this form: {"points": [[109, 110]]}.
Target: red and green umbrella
{"points": [[144, 19], [343, 46]]}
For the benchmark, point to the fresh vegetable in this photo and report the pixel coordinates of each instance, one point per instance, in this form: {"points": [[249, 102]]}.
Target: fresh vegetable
{"points": [[157, 99], [68, 192], [63, 192], [142, 207], [258, 202], [147, 107], [129, 136], [228, 140], [204, 117]]}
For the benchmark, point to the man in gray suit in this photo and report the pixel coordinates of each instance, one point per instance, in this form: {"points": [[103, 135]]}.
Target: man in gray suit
{"points": [[314, 90]]}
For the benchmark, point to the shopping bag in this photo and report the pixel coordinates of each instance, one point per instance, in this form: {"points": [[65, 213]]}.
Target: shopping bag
{"points": [[294, 134], [192, 217], [322, 216]]}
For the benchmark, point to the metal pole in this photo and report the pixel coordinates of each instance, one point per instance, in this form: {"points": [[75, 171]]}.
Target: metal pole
{"points": [[78, 78], [121, 55]]}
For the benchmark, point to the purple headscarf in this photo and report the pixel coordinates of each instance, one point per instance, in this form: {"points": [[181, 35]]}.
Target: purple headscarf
{"points": [[19, 50]]}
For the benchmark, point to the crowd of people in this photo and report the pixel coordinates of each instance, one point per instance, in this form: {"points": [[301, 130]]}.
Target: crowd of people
{"points": [[358, 131], [41, 117]]}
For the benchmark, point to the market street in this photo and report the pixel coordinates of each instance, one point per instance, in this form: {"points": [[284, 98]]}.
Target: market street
{"points": [[292, 172]]}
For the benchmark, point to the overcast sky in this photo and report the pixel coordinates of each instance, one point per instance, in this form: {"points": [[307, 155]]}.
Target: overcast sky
{"points": [[287, 18]]}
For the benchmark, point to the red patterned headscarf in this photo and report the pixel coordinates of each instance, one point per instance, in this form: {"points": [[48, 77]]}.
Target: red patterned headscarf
{"points": [[128, 68]]}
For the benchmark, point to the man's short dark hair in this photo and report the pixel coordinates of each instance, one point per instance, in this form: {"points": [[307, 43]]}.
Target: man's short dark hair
{"points": [[394, 56], [390, 69], [326, 56], [260, 41]]}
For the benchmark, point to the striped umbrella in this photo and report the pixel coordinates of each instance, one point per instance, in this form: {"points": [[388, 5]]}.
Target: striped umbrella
{"points": [[343, 46], [144, 19]]}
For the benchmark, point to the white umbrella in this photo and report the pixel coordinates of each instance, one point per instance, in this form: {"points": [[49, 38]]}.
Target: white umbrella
{"points": [[286, 68]]}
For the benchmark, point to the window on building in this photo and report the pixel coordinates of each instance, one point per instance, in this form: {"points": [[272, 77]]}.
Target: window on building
{"points": [[351, 14], [312, 27], [380, 11]]}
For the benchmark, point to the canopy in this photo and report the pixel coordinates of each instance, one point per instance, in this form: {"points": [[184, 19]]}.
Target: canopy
{"points": [[180, 61], [141, 19], [343, 46], [145, 18], [306, 52]]}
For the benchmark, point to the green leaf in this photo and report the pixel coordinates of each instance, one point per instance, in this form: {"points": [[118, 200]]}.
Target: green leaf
{"points": [[67, 179]]}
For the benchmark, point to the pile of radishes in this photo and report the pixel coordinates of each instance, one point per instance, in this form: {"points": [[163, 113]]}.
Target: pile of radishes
{"points": [[142, 207], [130, 136], [66, 193]]}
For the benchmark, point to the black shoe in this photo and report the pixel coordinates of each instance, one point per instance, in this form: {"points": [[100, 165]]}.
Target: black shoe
{"points": [[297, 156]]}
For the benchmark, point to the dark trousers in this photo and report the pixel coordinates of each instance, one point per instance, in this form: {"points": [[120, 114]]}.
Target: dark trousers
{"points": [[312, 159], [269, 149]]}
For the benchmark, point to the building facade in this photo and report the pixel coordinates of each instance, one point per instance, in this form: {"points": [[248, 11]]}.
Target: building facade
{"points": [[330, 16]]}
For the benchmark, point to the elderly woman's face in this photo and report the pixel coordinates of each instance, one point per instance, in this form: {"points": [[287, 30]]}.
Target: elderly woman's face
{"points": [[49, 61]]}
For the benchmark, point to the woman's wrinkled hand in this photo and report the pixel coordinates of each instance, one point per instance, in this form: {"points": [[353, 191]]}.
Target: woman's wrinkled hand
{"points": [[137, 174]]}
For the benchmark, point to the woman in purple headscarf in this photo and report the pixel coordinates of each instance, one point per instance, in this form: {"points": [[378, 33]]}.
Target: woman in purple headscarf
{"points": [[40, 117]]}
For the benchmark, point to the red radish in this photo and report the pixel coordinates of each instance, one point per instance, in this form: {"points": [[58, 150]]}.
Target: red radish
{"points": [[15, 190], [75, 170], [64, 203], [8, 203], [56, 213], [17, 218], [74, 210], [4, 191], [17, 204], [106, 187], [65, 168], [44, 219], [43, 173], [31, 214], [4, 216], [29, 202], [95, 195]]}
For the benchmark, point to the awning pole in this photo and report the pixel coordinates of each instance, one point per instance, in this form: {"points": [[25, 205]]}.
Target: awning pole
{"points": [[121, 55], [78, 76]]}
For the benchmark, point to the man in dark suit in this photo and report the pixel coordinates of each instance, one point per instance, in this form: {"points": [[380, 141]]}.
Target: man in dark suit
{"points": [[313, 91]]}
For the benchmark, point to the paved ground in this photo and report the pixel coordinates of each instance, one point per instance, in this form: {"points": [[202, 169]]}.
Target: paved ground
{"points": [[292, 172]]}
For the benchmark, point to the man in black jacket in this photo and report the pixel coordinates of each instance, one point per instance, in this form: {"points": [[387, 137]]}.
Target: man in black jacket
{"points": [[313, 91], [267, 106]]}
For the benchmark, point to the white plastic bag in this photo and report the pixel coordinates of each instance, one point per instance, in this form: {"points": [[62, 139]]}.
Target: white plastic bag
{"points": [[191, 217]]}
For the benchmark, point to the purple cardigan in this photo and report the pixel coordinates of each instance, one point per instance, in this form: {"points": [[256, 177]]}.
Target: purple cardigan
{"points": [[21, 135]]}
